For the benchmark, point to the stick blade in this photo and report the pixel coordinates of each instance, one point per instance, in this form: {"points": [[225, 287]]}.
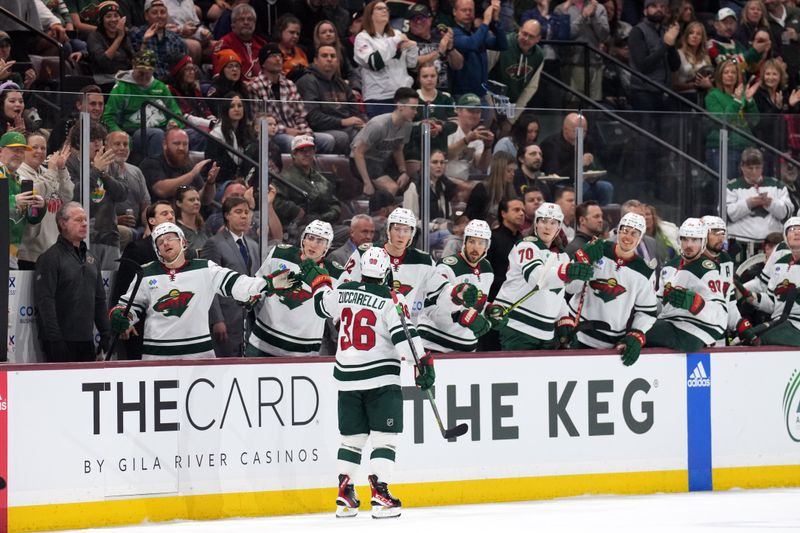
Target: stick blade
{"points": [[457, 431]]}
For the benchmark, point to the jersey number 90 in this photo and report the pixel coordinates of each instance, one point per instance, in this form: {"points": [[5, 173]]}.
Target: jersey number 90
{"points": [[357, 329]]}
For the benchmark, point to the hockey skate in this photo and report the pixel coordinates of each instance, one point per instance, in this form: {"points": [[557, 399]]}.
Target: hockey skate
{"points": [[384, 505], [347, 501]]}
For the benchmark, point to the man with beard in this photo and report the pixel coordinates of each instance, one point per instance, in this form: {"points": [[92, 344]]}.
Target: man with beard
{"points": [[621, 292], [653, 53], [722, 46], [694, 314], [243, 41], [129, 210], [590, 225], [529, 172], [170, 170]]}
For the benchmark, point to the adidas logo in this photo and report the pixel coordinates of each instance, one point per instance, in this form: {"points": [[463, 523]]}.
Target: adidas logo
{"points": [[698, 377]]}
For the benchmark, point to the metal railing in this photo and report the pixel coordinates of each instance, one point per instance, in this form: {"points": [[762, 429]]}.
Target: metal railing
{"points": [[40, 33]]}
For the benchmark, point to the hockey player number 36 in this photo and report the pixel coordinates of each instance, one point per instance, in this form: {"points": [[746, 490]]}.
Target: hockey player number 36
{"points": [[357, 329]]}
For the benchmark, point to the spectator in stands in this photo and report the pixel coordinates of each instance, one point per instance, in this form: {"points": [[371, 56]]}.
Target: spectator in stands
{"points": [[133, 89], [6, 73], [384, 55], [362, 231], [500, 184], [443, 190], [529, 172], [227, 77], [326, 34], [752, 19], [756, 205], [139, 252], [589, 216], [81, 17], [234, 129], [510, 217], [90, 99], [54, 186], [68, 293], [469, 147], [519, 66], [784, 24], [377, 151], [434, 46], [11, 107], [232, 189], [171, 169], [653, 53], [105, 191], [287, 34], [692, 79], [731, 99], [473, 39], [38, 16], [283, 102], [321, 202], [532, 199], [23, 207], [772, 100], [589, 24], [565, 199], [665, 234], [233, 249], [524, 131], [184, 21], [243, 41], [109, 48], [330, 104], [187, 216], [558, 152], [131, 208], [312, 12], [185, 86], [439, 116], [158, 38], [722, 47]]}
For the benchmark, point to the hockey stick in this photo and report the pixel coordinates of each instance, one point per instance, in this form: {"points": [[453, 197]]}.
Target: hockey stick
{"points": [[138, 282], [791, 296], [551, 260], [453, 432]]}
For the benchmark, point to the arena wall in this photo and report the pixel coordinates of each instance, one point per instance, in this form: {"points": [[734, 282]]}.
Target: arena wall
{"points": [[89, 445]]}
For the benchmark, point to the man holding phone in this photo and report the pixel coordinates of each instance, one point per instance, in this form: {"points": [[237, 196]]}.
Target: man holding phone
{"points": [[469, 147], [756, 205]]}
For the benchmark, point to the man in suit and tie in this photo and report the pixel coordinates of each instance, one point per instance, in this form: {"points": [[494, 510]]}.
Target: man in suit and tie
{"points": [[232, 249]]}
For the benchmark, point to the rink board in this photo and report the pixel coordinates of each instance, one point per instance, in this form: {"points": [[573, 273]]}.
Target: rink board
{"points": [[105, 444]]}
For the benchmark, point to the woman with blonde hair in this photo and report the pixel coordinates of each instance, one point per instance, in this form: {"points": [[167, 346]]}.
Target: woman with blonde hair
{"points": [[486, 196], [325, 34], [752, 19], [664, 233], [773, 101], [689, 79]]}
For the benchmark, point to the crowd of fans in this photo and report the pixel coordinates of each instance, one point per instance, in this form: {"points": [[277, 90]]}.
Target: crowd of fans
{"points": [[346, 81]]}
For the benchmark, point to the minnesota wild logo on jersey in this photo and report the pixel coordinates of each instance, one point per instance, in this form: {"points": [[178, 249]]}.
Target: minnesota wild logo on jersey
{"points": [[782, 289], [400, 287], [174, 303], [294, 299], [607, 289]]}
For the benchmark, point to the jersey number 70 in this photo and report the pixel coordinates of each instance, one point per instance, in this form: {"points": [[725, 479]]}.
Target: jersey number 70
{"points": [[357, 329]]}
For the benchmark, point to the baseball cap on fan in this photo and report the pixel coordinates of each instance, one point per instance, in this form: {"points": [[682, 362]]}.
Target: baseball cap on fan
{"points": [[150, 3], [724, 13], [14, 139], [302, 141]]}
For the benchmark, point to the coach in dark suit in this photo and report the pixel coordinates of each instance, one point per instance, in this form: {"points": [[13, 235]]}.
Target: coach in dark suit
{"points": [[232, 249]]}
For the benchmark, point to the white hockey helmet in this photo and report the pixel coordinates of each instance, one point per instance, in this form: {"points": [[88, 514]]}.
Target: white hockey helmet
{"points": [[375, 263], [320, 229], [791, 221], [163, 229], [714, 222], [635, 221], [694, 228], [479, 229], [549, 210], [405, 217]]}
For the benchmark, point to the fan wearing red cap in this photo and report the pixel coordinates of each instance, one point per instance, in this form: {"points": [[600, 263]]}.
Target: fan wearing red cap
{"points": [[184, 84]]}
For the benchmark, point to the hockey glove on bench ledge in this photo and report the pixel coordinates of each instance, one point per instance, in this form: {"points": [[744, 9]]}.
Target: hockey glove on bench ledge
{"points": [[119, 321], [424, 374], [630, 346]]}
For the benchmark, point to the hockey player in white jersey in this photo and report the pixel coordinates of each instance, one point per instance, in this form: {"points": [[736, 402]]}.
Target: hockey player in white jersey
{"points": [[370, 350], [286, 324], [715, 250], [531, 325], [785, 276], [694, 313], [413, 272], [620, 293], [176, 294], [446, 329]]}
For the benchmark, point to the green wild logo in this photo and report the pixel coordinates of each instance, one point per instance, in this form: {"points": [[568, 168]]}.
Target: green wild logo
{"points": [[174, 303], [606, 289], [295, 298], [791, 406]]}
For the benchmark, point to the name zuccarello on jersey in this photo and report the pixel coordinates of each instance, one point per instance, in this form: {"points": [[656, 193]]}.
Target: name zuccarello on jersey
{"points": [[361, 298]]}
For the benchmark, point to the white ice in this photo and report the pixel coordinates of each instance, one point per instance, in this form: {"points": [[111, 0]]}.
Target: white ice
{"points": [[730, 511]]}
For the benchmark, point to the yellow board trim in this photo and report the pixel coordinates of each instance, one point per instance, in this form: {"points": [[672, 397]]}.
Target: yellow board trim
{"points": [[244, 504], [756, 477]]}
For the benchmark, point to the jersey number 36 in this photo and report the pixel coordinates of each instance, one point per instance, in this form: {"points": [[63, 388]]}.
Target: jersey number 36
{"points": [[357, 329]]}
